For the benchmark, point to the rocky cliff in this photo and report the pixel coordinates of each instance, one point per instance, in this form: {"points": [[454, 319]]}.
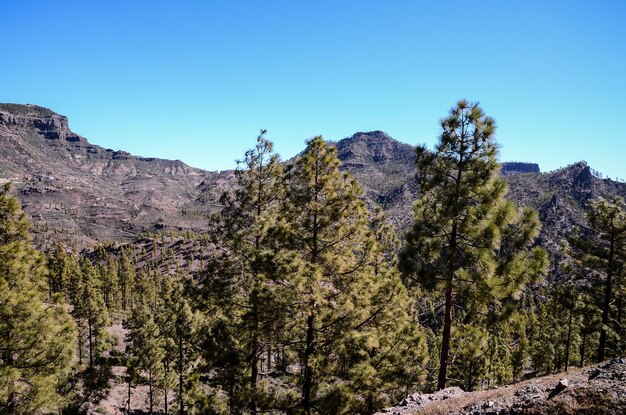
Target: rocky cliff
{"points": [[518, 167], [82, 193]]}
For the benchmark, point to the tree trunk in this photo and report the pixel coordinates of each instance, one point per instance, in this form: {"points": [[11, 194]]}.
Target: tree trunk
{"points": [[620, 316], [150, 400], [307, 384], [181, 406], [124, 295], [11, 405], [607, 303], [569, 339], [445, 343], [254, 353], [582, 350], [80, 348], [90, 344], [166, 369], [12, 396], [129, 386]]}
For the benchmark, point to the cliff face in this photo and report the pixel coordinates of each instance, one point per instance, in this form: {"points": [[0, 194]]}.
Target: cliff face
{"points": [[518, 167], [52, 126], [82, 193]]}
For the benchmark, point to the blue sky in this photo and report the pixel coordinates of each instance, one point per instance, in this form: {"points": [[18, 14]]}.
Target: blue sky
{"points": [[196, 80]]}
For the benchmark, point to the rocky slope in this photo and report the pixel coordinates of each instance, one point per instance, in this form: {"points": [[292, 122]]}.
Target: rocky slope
{"points": [[598, 389], [82, 193]]}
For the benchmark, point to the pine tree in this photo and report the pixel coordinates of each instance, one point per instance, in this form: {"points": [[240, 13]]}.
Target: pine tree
{"points": [[179, 328], [146, 289], [91, 312], [75, 277], [390, 350], [244, 228], [144, 347], [58, 264], [606, 253], [591, 321], [166, 321], [127, 281], [467, 240], [520, 346], [36, 336], [109, 278], [327, 256]]}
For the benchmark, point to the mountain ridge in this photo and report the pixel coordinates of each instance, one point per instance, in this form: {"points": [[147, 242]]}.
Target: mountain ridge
{"points": [[84, 194]]}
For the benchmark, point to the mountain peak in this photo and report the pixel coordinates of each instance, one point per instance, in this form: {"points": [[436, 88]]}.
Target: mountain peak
{"points": [[28, 110], [360, 135], [374, 146], [47, 123]]}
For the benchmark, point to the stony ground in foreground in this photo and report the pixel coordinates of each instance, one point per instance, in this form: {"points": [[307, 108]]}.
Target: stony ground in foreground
{"points": [[599, 389]]}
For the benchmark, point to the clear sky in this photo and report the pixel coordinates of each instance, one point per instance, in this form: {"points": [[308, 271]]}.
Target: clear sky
{"points": [[196, 80]]}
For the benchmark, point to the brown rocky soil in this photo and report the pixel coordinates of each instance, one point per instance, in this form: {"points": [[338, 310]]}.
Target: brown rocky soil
{"points": [[598, 389]]}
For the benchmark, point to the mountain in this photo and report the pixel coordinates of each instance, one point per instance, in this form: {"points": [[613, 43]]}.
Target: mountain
{"points": [[386, 170], [82, 193]]}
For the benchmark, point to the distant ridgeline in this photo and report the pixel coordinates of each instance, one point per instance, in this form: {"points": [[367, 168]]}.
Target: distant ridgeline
{"points": [[515, 167]]}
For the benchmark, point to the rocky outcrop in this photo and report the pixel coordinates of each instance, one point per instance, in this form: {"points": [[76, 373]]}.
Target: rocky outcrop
{"points": [[592, 390], [16, 118], [516, 167]]}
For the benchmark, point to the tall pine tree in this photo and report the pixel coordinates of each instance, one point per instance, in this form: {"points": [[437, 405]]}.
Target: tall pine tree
{"points": [[36, 333], [244, 229], [458, 243], [604, 251], [345, 315]]}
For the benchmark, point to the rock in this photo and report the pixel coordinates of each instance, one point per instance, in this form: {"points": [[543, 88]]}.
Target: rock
{"points": [[517, 167], [594, 373]]}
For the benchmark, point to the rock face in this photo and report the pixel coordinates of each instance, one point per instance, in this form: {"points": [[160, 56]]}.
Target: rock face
{"points": [[385, 168], [517, 167], [82, 193], [592, 390], [50, 125]]}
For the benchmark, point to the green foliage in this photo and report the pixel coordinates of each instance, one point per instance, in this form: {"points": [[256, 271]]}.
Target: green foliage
{"points": [[602, 250], [467, 240], [349, 304], [90, 312], [306, 290], [36, 333], [127, 277], [144, 349], [245, 227], [27, 110]]}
